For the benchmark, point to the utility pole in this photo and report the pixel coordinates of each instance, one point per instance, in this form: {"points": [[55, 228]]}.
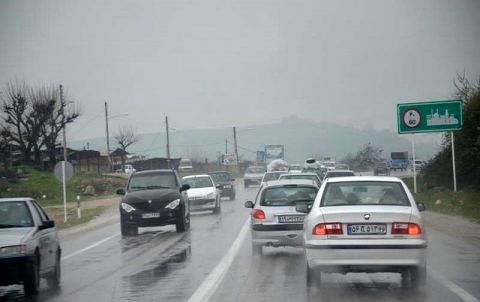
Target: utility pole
{"points": [[168, 138], [65, 157], [235, 145], [226, 146], [108, 139]]}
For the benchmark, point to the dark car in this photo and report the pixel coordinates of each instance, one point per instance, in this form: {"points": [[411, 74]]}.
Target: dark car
{"points": [[154, 198], [381, 168], [225, 180], [29, 246]]}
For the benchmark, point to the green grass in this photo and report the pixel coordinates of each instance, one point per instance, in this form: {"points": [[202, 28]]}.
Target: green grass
{"points": [[44, 187], [464, 202], [87, 215]]}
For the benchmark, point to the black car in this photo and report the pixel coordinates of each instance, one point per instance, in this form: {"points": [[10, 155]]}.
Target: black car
{"points": [[154, 198], [225, 180], [381, 168]]}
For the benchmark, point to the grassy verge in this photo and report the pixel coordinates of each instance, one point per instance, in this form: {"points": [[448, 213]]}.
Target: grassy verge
{"points": [[465, 202], [87, 215], [47, 190]]}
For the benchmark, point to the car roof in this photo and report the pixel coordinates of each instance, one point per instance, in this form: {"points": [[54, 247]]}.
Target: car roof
{"points": [[302, 174], [277, 172], [154, 171], [217, 172], [16, 199], [364, 178], [193, 176], [284, 182]]}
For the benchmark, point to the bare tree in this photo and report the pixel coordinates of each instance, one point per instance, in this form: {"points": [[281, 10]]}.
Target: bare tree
{"points": [[125, 137], [5, 145], [34, 118], [21, 117], [465, 89], [58, 115]]}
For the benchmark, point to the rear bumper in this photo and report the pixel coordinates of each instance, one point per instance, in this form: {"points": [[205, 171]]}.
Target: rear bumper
{"points": [[252, 181], [12, 269], [278, 235], [227, 191], [338, 257]]}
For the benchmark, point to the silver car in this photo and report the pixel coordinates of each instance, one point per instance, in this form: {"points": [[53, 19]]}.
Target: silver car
{"points": [[365, 224], [274, 219], [253, 176], [29, 248]]}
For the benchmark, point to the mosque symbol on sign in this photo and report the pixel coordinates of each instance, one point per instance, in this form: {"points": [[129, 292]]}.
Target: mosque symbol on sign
{"points": [[435, 119]]}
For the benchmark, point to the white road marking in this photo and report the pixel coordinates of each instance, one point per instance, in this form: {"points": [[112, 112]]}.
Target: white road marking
{"points": [[463, 294], [213, 280], [90, 247]]}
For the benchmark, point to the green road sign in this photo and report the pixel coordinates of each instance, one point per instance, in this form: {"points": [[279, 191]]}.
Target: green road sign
{"points": [[438, 116]]}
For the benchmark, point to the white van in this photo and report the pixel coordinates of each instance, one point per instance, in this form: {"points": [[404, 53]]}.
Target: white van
{"points": [[185, 165]]}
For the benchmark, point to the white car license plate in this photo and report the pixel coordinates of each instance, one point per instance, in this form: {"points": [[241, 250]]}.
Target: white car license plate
{"points": [[362, 229], [150, 215], [227, 186], [290, 219]]}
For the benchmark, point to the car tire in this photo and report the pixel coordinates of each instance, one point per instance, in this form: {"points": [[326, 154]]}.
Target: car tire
{"points": [[245, 185], [418, 277], [314, 277], [53, 280], [31, 283], [182, 224], [218, 207], [257, 250], [128, 229], [232, 196]]}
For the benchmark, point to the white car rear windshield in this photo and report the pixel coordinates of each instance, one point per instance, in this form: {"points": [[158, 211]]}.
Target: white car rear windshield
{"points": [[364, 193], [287, 196]]}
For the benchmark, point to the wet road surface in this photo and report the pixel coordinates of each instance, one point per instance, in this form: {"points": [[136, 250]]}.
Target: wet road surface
{"points": [[162, 265]]}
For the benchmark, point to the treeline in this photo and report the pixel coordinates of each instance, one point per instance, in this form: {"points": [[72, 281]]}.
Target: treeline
{"points": [[439, 171], [32, 119]]}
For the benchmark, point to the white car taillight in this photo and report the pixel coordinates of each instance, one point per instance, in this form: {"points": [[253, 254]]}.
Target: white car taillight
{"points": [[328, 229], [405, 228]]}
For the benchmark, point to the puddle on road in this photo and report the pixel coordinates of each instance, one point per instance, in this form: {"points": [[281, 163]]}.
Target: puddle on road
{"points": [[154, 274]]}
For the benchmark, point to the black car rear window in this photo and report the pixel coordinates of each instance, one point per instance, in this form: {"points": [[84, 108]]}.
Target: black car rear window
{"points": [[221, 176]]}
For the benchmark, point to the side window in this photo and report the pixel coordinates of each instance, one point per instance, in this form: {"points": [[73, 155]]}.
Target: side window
{"points": [[41, 213]]}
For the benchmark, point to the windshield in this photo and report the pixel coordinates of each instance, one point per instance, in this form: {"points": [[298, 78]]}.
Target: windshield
{"points": [[15, 214], [287, 196], [150, 181], [198, 182], [364, 193], [255, 170], [271, 176], [339, 174], [221, 177], [293, 176]]}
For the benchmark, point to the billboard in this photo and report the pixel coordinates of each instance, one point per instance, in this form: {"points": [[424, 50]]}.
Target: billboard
{"points": [[273, 152]]}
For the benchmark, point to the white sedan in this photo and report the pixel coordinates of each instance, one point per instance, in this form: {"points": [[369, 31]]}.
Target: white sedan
{"points": [[203, 193], [365, 224]]}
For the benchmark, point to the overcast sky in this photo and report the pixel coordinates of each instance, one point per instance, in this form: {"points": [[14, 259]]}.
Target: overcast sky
{"points": [[236, 63]]}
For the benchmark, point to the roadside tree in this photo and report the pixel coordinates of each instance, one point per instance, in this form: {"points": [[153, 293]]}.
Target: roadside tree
{"points": [[125, 137]]}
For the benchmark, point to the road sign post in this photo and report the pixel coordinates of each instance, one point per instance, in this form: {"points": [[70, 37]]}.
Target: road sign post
{"points": [[425, 117], [64, 172]]}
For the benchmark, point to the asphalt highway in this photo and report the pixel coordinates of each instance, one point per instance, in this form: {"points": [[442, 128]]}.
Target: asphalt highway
{"points": [[213, 262]]}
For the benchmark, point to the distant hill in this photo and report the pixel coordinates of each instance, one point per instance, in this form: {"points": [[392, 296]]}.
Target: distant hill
{"points": [[302, 139]]}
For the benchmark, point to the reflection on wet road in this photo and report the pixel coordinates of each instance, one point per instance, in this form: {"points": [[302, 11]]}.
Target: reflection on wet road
{"points": [[163, 265]]}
